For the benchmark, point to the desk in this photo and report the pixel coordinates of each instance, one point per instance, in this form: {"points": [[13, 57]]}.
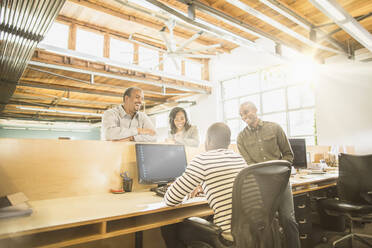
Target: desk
{"points": [[313, 182], [66, 221], [302, 187]]}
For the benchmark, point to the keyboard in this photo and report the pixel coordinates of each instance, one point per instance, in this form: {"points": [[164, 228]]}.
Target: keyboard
{"points": [[160, 191]]}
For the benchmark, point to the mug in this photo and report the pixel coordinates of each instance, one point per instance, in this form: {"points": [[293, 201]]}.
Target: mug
{"points": [[127, 184]]}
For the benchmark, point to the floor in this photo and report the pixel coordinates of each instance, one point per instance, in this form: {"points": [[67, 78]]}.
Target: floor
{"points": [[332, 236]]}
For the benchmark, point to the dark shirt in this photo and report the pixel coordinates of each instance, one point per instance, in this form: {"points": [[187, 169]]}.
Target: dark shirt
{"points": [[265, 142]]}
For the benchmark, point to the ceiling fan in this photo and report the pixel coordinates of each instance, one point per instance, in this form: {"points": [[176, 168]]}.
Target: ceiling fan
{"points": [[174, 50]]}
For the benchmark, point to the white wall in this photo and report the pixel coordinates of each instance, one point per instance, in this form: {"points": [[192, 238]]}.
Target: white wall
{"points": [[344, 105]]}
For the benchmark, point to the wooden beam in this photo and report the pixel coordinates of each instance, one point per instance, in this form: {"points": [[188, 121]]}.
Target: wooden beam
{"points": [[105, 8], [72, 37], [161, 63], [62, 106], [109, 71], [183, 67], [79, 90], [136, 54], [205, 70], [14, 114], [106, 46]]}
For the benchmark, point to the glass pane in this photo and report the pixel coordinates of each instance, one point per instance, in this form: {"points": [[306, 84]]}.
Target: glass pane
{"points": [[57, 35], [253, 98], [170, 67], [234, 127], [279, 118], [89, 42], [249, 84], [230, 88], [273, 78], [193, 69], [301, 122], [148, 57], [273, 101], [300, 96], [231, 109], [121, 51]]}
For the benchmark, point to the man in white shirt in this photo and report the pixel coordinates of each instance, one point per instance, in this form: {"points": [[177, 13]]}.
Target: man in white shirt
{"points": [[125, 122]]}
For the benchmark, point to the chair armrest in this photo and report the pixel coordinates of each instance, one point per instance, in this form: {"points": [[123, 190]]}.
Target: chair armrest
{"points": [[203, 225], [367, 196]]}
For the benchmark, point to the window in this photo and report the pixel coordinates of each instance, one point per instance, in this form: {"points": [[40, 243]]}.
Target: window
{"points": [[300, 96], [121, 51], [231, 108], [89, 42], [278, 99], [249, 84], [148, 57], [230, 88], [302, 122], [193, 69], [280, 118], [57, 35], [273, 101]]}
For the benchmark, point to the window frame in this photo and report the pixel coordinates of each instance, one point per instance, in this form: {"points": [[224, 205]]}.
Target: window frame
{"points": [[261, 114]]}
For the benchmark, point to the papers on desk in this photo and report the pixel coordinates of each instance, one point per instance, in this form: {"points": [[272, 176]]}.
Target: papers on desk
{"points": [[22, 209]]}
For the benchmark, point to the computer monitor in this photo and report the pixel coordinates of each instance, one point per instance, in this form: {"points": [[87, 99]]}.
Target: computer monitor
{"points": [[159, 163], [299, 152]]}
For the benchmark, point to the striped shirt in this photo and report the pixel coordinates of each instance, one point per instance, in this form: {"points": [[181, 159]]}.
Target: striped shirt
{"points": [[215, 170]]}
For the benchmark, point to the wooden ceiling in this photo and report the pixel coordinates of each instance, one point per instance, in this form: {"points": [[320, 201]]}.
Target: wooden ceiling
{"points": [[58, 86]]}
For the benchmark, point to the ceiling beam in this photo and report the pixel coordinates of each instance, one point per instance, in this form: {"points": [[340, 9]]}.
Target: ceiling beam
{"points": [[292, 15], [51, 105], [253, 12], [66, 88], [45, 117], [107, 9], [201, 86], [24, 94], [237, 23], [344, 20], [92, 82], [208, 27]]}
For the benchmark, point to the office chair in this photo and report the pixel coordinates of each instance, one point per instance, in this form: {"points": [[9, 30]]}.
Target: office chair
{"points": [[354, 187], [256, 196]]}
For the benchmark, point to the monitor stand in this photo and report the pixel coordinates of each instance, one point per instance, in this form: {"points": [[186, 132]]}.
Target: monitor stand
{"points": [[159, 185]]}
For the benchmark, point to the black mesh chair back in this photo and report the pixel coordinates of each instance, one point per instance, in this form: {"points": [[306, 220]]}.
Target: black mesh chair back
{"points": [[355, 176], [256, 196]]}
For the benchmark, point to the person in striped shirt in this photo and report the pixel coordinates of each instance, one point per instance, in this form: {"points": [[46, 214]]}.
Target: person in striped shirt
{"points": [[215, 170]]}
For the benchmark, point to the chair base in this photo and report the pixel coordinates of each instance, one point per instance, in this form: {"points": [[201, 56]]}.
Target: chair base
{"points": [[358, 236]]}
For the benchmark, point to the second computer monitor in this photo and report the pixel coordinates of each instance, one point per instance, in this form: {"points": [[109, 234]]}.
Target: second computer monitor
{"points": [[299, 152], [160, 164]]}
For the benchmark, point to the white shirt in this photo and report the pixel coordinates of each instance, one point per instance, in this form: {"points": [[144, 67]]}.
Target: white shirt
{"points": [[117, 124]]}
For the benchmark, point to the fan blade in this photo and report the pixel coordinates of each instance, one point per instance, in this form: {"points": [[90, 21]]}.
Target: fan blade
{"points": [[201, 56], [166, 40], [187, 42], [175, 63], [204, 48]]}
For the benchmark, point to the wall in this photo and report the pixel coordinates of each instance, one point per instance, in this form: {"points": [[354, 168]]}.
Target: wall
{"points": [[89, 134], [343, 105]]}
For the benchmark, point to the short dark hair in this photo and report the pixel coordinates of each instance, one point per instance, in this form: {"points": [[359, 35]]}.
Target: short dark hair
{"points": [[128, 92], [249, 104], [219, 135], [172, 116]]}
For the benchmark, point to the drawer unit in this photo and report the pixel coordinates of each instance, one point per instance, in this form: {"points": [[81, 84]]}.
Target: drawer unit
{"points": [[303, 217]]}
